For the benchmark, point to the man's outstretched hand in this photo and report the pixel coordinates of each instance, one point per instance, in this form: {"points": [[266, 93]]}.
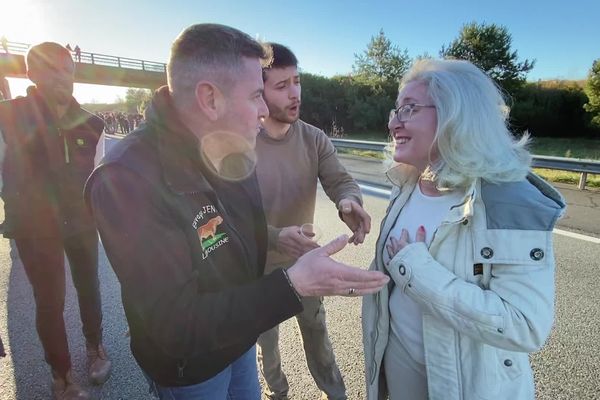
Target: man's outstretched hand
{"points": [[316, 274], [293, 243]]}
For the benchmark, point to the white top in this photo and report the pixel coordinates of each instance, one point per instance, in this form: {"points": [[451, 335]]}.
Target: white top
{"points": [[406, 319]]}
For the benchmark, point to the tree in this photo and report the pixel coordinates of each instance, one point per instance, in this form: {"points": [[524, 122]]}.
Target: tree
{"points": [[136, 100], [381, 61], [489, 47], [592, 90], [551, 109]]}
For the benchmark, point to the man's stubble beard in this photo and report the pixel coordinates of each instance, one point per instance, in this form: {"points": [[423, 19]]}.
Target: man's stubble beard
{"points": [[281, 115]]}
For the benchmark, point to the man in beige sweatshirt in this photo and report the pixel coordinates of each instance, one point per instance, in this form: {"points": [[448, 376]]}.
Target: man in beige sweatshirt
{"points": [[292, 156]]}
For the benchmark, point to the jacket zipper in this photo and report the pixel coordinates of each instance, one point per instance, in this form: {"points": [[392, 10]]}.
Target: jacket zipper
{"points": [[66, 146], [181, 367]]}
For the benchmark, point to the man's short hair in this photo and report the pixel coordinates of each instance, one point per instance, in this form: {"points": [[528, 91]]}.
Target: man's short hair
{"points": [[45, 55], [282, 56], [212, 52]]}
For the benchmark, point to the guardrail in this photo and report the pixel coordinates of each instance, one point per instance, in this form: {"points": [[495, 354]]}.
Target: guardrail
{"points": [[98, 59], [584, 167]]}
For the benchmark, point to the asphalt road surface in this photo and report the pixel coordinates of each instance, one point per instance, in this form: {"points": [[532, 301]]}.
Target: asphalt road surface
{"points": [[567, 368]]}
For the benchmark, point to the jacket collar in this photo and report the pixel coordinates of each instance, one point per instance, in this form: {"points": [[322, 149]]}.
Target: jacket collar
{"points": [[406, 177], [178, 148], [73, 117]]}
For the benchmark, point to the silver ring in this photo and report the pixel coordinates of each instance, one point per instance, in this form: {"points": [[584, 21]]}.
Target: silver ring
{"points": [[351, 291]]}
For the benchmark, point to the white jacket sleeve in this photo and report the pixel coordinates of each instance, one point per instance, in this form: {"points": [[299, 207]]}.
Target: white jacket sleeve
{"points": [[515, 313]]}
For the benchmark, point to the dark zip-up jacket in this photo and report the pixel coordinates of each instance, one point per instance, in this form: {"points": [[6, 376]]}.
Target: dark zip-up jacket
{"points": [[188, 249], [46, 165]]}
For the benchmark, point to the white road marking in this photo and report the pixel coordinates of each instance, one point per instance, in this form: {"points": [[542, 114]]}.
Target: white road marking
{"points": [[577, 236]]}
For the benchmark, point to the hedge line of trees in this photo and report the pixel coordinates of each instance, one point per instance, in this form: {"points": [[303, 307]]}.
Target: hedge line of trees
{"points": [[361, 101]]}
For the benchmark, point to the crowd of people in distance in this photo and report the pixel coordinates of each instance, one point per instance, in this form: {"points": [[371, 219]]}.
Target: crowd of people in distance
{"points": [[120, 122]]}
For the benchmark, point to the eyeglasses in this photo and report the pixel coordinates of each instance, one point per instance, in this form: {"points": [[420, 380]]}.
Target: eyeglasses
{"points": [[405, 112]]}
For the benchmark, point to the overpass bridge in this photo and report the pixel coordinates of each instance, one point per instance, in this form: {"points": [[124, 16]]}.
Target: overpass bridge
{"points": [[100, 69]]}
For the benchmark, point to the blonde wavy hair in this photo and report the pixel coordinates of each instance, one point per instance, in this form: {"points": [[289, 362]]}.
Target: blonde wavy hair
{"points": [[472, 138]]}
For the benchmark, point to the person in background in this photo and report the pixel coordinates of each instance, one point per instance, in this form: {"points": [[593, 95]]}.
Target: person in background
{"points": [[180, 215], [77, 51], [50, 147], [467, 242], [4, 43], [292, 157]]}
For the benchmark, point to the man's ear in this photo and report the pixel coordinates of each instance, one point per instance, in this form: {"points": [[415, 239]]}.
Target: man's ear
{"points": [[210, 99], [32, 75]]}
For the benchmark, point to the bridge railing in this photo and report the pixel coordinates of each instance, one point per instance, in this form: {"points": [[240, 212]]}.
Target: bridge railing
{"points": [[99, 59], [582, 166], [17, 48]]}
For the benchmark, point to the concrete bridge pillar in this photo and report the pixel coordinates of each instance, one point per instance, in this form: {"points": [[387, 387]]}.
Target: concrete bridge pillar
{"points": [[4, 89]]}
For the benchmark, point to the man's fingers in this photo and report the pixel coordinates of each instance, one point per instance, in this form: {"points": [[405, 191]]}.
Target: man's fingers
{"points": [[309, 246], [365, 223], [361, 292], [359, 278], [345, 206], [335, 245], [306, 242], [359, 235]]}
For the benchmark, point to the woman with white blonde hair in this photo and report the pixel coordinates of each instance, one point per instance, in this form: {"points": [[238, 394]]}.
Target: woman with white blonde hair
{"points": [[467, 241]]}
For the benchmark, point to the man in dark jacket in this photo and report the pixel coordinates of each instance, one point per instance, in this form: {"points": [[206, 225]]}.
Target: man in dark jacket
{"points": [[50, 147], [180, 215]]}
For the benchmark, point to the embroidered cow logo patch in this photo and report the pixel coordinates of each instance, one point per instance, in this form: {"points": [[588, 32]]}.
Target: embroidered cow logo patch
{"points": [[211, 234], [208, 232]]}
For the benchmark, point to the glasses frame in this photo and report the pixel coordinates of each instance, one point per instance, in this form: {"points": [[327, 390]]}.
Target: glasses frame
{"points": [[411, 108]]}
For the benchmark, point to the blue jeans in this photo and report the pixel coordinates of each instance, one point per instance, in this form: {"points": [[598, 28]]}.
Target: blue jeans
{"points": [[238, 381]]}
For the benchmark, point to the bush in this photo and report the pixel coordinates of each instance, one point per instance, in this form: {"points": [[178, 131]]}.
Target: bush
{"points": [[552, 109]]}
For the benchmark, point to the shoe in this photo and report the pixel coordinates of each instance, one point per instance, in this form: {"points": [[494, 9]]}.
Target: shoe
{"points": [[98, 364], [66, 389], [274, 396]]}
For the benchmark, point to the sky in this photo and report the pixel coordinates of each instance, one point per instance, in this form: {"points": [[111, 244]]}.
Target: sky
{"points": [[563, 37]]}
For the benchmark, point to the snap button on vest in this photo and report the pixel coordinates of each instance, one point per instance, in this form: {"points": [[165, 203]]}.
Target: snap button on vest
{"points": [[508, 362], [536, 254], [402, 269], [487, 253]]}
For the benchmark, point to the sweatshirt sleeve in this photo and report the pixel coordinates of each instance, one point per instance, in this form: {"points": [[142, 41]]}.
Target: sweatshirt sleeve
{"points": [[148, 251], [336, 181]]}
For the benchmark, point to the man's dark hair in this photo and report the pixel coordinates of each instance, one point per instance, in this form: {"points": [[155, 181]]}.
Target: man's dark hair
{"points": [[45, 55], [210, 51], [282, 56]]}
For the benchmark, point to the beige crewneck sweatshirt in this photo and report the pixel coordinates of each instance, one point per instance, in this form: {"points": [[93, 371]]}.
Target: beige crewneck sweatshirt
{"points": [[288, 170]]}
